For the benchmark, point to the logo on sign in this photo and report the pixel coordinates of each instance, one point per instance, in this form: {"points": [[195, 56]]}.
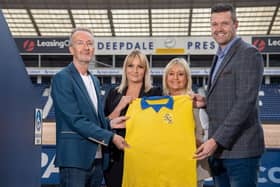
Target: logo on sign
{"points": [[49, 173], [260, 44], [272, 175], [28, 45], [38, 117], [170, 43]]}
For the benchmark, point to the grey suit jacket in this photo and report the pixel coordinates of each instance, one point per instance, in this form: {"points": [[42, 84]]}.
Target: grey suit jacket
{"points": [[232, 103]]}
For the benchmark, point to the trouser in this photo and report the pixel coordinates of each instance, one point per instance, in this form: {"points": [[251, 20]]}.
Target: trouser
{"points": [[77, 177], [241, 172]]}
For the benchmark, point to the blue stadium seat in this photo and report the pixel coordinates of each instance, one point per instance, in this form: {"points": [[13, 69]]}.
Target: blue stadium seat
{"points": [[270, 99]]}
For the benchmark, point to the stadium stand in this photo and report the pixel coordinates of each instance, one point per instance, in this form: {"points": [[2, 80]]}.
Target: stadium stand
{"points": [[42, 47], [40, 88], [270, 103]]}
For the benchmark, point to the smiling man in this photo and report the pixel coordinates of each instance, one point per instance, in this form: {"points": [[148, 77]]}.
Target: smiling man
{"points": [[82, 131], [236, 140]]}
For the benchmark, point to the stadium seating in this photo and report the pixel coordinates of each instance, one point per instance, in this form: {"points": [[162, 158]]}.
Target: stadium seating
{"points": [[269, 102], [40, 88]]}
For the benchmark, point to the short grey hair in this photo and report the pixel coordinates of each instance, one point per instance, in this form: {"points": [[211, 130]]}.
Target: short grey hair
{"points": [[77, 30]]}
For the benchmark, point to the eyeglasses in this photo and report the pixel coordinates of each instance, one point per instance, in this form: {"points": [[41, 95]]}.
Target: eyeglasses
{"points": [[81, 43]]}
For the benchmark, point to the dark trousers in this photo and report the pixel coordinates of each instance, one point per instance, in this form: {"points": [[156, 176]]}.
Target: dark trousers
{"points": [[113, 175], [242, 172], [77, 177]]}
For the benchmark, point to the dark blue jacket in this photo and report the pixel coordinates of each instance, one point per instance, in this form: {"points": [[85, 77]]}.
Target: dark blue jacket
{"points": [[79, 129]]}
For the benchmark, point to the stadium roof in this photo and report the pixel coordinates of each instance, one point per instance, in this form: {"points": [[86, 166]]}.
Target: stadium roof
{"points": [[134, 17]]}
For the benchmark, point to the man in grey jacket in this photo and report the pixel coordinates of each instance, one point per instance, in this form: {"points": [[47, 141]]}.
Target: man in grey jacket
{"points": [[236, 140]]}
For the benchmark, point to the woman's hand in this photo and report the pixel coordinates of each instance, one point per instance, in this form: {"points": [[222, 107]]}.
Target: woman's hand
{"points": [[118, 123], [199, 101], [125, 100]]}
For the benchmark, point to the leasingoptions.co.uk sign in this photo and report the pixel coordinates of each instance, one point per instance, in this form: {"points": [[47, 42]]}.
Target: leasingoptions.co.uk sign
{"points": [[42, 45], [267, 44]]}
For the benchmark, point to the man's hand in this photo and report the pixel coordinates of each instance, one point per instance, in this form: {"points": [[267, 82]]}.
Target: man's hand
{"points": [[120, 142], [206, 149], [118, 123]]}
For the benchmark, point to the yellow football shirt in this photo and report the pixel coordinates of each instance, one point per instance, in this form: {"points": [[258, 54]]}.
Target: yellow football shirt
{"points": [[160, 131]]}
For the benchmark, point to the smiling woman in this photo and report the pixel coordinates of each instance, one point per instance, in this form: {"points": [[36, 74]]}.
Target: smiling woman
{"points": [[135, 83], [177, 81], [177, 77]]}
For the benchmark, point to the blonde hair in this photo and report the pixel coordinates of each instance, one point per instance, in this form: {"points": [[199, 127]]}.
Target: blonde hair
{"points": [[183, 63], [143, 59]]}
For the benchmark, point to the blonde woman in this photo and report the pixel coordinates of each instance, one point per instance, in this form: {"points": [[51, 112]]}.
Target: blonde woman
{"points": [[177, 81], [135, 83]]}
